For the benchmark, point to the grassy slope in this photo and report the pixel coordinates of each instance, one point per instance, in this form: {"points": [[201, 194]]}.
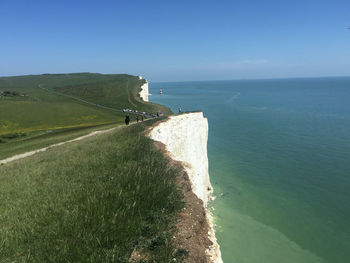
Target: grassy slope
{"points": [[118, 91], [94, 200], [41, 110], [42, 139]]}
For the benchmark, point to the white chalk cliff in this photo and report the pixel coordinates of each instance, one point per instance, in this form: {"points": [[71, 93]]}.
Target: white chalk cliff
{"points": [[144, 90], [185, 137]]}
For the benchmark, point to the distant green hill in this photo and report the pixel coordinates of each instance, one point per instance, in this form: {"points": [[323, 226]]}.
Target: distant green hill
{"points": [[39, 110], [32, 103]]}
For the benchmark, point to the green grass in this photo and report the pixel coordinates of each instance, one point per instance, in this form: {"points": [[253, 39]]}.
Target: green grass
{"points": [[120, 92], [38, 112], [18, 117], [40, 139], [44, 110], [94, 200]]}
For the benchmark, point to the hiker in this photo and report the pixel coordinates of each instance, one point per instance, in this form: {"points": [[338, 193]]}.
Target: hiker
{"points": [[143, 117], [179, 109], [137, 118], [127, 119]]}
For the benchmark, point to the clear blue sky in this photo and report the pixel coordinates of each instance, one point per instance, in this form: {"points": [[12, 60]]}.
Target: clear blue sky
{"points": [[176, 40]]}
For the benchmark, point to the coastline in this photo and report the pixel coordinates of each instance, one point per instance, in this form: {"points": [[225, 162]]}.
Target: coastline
{"points": [[176, 133], [249, 212], [173, 137]]}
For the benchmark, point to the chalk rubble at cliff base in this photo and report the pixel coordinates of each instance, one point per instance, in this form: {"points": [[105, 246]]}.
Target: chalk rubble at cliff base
{"points": [[185, 137]]}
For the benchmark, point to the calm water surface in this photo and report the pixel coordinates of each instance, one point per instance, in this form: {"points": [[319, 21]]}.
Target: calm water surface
{"points": [[279, 156]]}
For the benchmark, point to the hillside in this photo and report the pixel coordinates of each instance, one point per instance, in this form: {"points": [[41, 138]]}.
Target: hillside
{"points": [[36, 108], [112, 197], [97, 200]]}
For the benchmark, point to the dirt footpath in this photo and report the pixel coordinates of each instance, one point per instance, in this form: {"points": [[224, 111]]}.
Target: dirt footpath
{"points": [[24, 155]]}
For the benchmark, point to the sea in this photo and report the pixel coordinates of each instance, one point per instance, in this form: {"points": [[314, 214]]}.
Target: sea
{"points": [[279, 162]]}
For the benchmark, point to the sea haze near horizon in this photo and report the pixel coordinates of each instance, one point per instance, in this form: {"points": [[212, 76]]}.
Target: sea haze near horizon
{"points": [[279, 157]]}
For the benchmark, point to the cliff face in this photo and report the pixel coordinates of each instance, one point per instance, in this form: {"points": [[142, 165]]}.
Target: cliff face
{"points": [[185, 137], [144, 92]]}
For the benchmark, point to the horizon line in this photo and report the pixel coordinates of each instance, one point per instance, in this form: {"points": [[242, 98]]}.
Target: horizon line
{"points": [[267, 78], [234, 79]]}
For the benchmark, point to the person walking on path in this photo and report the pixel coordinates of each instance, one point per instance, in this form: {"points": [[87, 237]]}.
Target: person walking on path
{"points": [[127, 119], [137, 118]]}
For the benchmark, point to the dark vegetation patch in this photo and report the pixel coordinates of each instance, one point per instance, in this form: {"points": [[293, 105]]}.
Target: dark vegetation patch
{"points": [[8, 93], [97, 200], [11, 136]]}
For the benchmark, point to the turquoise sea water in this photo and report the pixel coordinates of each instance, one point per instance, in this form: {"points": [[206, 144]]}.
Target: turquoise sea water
{"points": [[279, 156]]}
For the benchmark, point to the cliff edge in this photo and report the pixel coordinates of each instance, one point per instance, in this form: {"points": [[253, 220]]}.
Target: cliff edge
{"points": [[144, 90], [185, 138]]}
